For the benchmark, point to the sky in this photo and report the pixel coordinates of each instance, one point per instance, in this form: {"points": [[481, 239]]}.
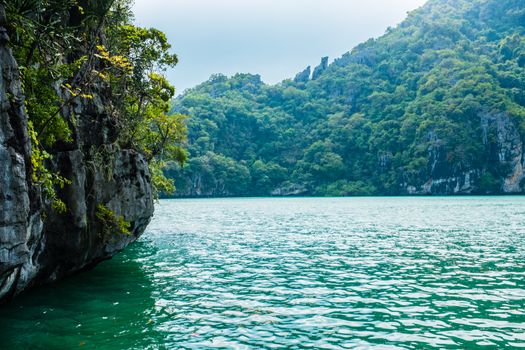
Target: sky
{"points": [[273, 38]]}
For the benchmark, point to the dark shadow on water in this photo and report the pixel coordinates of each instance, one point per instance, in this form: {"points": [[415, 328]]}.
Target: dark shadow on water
{"points": [[109, 307]]}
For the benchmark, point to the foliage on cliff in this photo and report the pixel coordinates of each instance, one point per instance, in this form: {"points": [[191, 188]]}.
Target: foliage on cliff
{"points": [[370, 122], [72, 52]]}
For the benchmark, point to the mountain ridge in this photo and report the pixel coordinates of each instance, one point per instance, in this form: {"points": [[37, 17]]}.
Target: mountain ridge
{"points": [[434, 106]]}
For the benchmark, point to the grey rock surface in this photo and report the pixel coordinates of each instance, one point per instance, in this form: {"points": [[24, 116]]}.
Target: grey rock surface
{"points": [[303, 76], [504, 146], [320, 68], [37, 244]]}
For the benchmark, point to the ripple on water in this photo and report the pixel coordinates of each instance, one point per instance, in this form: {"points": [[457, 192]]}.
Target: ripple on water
{"points": [[360, 273]]}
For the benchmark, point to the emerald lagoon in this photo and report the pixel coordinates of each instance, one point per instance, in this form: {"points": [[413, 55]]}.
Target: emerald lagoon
{"points": [[318, 273]]}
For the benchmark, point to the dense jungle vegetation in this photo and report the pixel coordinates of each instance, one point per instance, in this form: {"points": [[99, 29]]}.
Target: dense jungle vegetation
{"points": [[369, 122], [74, 52]]}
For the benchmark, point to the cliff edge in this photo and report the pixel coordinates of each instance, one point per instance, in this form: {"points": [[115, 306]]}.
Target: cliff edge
{"points": [[105, 184]]}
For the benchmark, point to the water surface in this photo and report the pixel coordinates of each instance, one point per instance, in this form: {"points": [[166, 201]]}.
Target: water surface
{"points": [[356, 273]]}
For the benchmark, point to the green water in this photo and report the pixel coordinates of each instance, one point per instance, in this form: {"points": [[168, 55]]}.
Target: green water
{"points": [[385, 273]]}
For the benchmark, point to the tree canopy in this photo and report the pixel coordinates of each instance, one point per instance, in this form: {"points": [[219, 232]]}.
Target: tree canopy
{"points": [[375, 121], [74, 51]]}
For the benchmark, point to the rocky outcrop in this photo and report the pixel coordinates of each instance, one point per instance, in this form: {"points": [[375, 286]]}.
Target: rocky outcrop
{"points": [[290, 190], [320, 68], [37, 244], [304, 76], [364, 54], [20, 218], [461, 183], [506, 148], [505, 163]]}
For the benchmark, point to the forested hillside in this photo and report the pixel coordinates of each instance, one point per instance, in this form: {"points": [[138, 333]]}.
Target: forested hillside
{"points": [[435, 106]]}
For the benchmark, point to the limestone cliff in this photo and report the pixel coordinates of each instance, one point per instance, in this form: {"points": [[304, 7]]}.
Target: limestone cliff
{"points": [[38, 245], [320, 68], [503, 152]]}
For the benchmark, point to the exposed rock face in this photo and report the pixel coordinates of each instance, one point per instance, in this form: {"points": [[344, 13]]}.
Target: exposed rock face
{"points": [[320, 68], [304, 76], [37, 244], [290, 190], [503, 144], [363, 55], [19, 222], [506, 149]]}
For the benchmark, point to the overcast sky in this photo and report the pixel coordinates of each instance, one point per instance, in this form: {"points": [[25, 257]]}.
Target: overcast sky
{"points": [[274, 38]]}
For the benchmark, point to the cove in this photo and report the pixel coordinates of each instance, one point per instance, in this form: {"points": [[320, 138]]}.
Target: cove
{"points": [[389, 273]]}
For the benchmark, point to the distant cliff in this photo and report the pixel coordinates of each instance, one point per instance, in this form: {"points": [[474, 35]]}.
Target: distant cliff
{"points": [[73, 190], [435, 106]]}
